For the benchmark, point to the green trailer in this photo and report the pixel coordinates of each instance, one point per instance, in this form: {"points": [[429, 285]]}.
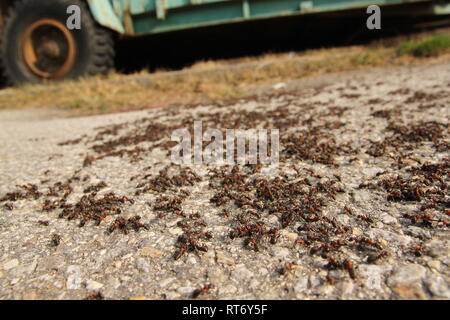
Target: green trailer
{"points": [[37, 43]]}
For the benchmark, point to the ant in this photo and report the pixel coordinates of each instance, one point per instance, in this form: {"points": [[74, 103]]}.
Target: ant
{"points": [[9, 206], [56, 240], [183, 226], [185, 192], [200, 224], [95, 296], [226, 213], [119, 223], [135, 177], [125, 198], [330, 280], [286, 268], [348, 265], [204, 235], [367, 241], [187, 242], [124, 225], [332, 263], [341, 230], [365, 218], [99, 218], [179, 253], [43, 223], [194, 216], [301, 242], [136, 224], [417, 250], [374, 257], [254, 213], [202, 290], [348, 210], [252, 242]]}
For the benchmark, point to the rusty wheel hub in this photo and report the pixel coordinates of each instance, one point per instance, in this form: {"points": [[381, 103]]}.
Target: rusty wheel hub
{"points": [[48, 49]]}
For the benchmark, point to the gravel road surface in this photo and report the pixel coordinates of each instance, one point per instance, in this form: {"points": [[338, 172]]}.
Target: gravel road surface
{"points": [[93, 207]]}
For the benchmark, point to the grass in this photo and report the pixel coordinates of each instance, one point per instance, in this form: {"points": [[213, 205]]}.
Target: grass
{"points": [[208, 81], [429, 47]]}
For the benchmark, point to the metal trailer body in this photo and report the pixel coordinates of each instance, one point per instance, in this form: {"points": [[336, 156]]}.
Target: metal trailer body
{"points": [[140, 17]]}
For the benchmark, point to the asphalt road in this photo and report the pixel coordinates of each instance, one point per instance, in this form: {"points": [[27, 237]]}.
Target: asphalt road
{"points": [[359, 209]]}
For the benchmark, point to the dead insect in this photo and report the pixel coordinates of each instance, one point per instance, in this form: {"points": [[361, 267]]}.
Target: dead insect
{"points": [[202, 290], [56, 240]]}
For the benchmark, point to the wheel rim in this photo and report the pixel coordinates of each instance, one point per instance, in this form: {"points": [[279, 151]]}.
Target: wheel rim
{"points": [[48, 49]]}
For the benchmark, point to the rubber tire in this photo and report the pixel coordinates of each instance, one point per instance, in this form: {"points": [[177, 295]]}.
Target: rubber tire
{"points": [[95, 44]]}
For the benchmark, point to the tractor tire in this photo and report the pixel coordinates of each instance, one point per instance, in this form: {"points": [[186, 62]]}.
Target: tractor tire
{"points": [[37, 46]]}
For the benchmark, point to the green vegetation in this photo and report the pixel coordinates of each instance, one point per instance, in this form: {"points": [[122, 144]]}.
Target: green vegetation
{"points": [[428, 47]]}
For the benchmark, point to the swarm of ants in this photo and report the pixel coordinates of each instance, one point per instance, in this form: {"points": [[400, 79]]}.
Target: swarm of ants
{"points": [[246, 199], [89, 207], [426, 184], [29, 191], [192, 238], [165, 181]]}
